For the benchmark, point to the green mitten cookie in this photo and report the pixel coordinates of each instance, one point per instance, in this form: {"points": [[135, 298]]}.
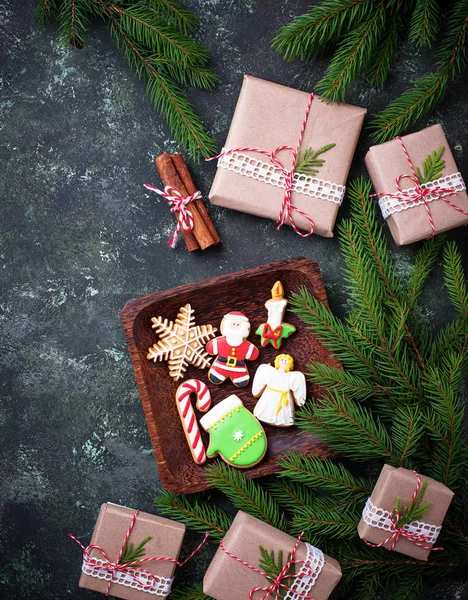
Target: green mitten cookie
{"points": [[235, 434]]}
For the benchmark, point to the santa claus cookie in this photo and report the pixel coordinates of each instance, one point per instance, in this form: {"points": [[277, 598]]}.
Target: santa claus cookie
{"points": [[235, 434], [232, 350], [181, 342], [279, 389], [274, 331]]}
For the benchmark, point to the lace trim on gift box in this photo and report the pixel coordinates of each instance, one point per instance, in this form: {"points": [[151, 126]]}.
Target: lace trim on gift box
{"points": [[262, 171], [313, 563], [391, 204], [161, 587], [380, 518]]}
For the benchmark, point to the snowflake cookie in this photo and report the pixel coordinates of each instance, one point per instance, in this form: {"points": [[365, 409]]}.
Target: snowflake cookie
{"points": [[181, 343]]}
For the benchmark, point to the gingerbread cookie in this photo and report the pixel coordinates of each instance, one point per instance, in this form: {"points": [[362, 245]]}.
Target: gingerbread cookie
{"points": [[181, 342], [279, 389], [187, 414], [274, 331], [235, 434], [232, 350]]}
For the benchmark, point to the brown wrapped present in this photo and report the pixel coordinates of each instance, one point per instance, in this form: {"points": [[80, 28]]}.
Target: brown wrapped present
{"points": [[425, 208], [229, 579], [378, 523], [267, 116], [112, 526]]}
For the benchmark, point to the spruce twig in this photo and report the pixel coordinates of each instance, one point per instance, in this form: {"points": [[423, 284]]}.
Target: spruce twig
{"points": [[307, 161], [131, 554], [272, 567], [433, 166], [414, 511]]}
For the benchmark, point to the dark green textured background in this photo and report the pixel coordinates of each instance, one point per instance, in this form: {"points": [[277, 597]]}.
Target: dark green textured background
{"points": [[80, 236]]}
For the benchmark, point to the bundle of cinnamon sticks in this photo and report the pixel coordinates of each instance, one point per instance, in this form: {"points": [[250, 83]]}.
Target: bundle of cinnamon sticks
{"points": [[174, 172]]}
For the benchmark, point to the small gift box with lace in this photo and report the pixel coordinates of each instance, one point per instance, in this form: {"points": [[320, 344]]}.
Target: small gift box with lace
{"points": [[132, 554], [405, 513], [255, 560], [418, 186]]}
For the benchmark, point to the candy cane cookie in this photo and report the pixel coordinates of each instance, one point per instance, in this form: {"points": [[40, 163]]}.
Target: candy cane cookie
{"points": [[187, 415]]}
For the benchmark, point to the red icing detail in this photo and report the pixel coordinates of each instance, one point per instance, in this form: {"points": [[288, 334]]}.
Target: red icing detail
{"points": [[196, 440], [190, 425]]}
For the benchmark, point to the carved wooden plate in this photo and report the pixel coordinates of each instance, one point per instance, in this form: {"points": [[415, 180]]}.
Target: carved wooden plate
{"points": [[246, 291]]}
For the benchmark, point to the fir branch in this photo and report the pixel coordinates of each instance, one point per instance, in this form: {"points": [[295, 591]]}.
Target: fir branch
{"points": [[414, 511], [424, 263], [380, 63], [319, 521], [309, 34], [307, 162], [407, 430], [433, 166], [74, 19], [354, 51], [455, 279], [245, 494], [288, 494], [192, 592], [324, 475], [176, 15], [193, 75], [424, 23], [195, 513], [272, 568], [131, 554], [337, 381]]}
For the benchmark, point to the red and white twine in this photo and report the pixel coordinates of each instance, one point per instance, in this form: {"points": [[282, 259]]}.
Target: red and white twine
{"points": [[419, 539], [287, 207], [177, 204], [134, 572], [419, 193], [276, 585]]}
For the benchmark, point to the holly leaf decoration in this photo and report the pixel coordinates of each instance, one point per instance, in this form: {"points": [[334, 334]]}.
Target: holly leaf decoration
{"points": [[272, 567], [131, 554], [433, 166], [308, 163]]}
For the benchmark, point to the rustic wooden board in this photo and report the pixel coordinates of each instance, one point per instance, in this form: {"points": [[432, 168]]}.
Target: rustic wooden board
{"points": [[246, 291]]}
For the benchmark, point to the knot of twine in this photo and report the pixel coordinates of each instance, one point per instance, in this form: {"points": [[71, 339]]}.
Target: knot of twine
{"points": [[419, 193], [276, 584], [177, 204], [287, 207], [419, 539], [134, 572]]}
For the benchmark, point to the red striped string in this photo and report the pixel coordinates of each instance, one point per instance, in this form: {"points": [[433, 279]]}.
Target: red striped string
{"points": [[420, 193], [419, 539], [177, 203], [287, 207], [129, 568], [276, 585]]}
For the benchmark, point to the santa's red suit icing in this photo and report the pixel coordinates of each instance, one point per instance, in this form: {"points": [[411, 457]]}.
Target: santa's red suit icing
{"points": [[232, 350]]}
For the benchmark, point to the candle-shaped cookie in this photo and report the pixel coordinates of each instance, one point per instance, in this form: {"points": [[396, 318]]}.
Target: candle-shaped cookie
{"points": [[275, 330]]}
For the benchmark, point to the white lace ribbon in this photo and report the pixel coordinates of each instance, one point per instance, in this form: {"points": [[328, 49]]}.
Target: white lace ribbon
{"points": [[382, 519], [161, 585], [391, 204], [246, 165], [313, 563]]}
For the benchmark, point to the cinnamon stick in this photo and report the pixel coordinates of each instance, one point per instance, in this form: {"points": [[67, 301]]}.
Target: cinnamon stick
{"points": [[186, 178], [168, 174]]}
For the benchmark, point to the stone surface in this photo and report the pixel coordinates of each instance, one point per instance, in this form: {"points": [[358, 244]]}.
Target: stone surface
{"points": [[80, 236]]}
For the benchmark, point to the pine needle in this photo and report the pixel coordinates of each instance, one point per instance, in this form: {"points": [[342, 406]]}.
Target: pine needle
{"points": [[307, 162], [433, 166]]}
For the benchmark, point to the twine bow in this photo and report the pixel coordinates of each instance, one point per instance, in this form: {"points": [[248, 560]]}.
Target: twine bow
{"points": [[276, 584], [272, 334], [177, 204], [419, 193], [419, 539], [287, 207], [136, 573]]}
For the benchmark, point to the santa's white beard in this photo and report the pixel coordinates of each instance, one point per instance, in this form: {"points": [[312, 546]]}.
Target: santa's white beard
{"points": [[235, 338]]}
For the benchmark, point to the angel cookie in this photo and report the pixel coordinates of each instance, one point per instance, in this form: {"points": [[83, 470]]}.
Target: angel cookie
{"points": [[279, 389], [181, 342], [274, 331], [232, 350]]}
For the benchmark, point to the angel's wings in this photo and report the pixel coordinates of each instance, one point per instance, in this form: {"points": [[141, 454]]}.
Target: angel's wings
{"points": [[297, 385], [262, 379]]}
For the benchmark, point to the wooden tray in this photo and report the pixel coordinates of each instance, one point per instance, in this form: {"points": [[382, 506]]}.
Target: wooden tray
{"points": [[246, 291]]}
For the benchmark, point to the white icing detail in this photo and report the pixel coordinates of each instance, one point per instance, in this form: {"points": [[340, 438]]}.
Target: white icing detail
{"points": [[262, 171], [238, 435], [218, 412], [250, 351], [313, 564], [390, 205], [382, 519], [162, 585]]}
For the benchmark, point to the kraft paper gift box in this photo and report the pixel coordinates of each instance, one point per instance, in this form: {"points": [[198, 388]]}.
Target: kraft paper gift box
{"points": [[228, 579], [394, 483], [109, 533], [269, 115], [409, 222]]}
